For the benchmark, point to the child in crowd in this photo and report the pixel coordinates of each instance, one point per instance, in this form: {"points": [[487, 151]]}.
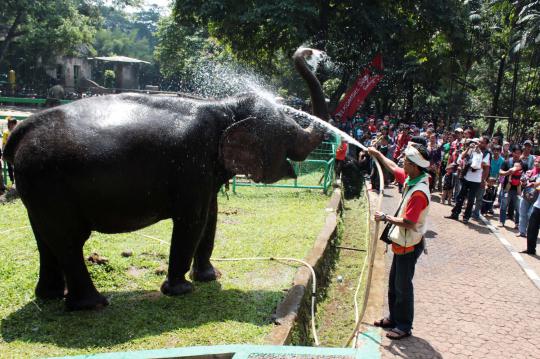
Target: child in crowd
{"points": [[515, 178], [489, 196], [448, 184]]}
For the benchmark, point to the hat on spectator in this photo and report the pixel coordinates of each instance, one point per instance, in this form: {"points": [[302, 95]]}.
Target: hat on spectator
{"points": [[527, 142], [459, 129]]}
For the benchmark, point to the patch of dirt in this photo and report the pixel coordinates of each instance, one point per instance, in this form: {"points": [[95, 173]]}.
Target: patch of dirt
{"points": [[136, 272], [229, 212], [230, 221], [159, 256]]}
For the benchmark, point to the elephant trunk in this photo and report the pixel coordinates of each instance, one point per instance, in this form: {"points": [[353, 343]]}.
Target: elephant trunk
{"points": [[308, 139], [318, 102]]}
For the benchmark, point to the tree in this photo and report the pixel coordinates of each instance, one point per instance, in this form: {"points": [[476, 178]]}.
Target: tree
{"points": [[42, 28]]}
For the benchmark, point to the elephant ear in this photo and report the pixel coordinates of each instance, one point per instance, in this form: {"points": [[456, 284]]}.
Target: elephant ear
{"points": [[242, 149]]}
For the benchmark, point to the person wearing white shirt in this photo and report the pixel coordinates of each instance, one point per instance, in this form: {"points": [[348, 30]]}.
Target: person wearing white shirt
{"points": [[470, 183]]}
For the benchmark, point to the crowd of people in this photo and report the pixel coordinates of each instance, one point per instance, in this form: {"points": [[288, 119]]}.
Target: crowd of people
{"points": [[473, 171]]}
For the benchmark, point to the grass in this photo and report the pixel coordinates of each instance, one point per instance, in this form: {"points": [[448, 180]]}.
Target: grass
{"points": [[237, 309], [335, 315]]}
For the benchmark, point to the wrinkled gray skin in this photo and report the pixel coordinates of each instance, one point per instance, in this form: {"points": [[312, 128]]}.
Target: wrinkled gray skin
{"points": [[119, 163]]}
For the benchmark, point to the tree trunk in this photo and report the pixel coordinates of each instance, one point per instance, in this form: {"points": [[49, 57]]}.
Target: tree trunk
{"points": [[10, 34], [322, 35], [496, 95], [513, 97], [409, 105]]}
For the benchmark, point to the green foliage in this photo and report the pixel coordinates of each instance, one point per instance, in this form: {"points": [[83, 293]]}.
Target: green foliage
{"points": [[110, 78], [46, 28]]}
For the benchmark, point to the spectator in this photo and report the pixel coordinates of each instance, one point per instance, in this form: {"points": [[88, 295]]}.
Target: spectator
{"points": [[473, 161], [511, 170], [484, 147], [11, 123], [434, 159], [2, 186], [448, 184], [341, 154], [529, 196], [402, 141], [534, 223], [496, 162], [505, 153], [455, 150], [527, 156], [372, 127], [489, 196]]}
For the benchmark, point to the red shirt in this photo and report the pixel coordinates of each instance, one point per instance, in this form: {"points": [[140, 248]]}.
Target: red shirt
{"points": [[341, 152], [418, 201], [402, 141]]}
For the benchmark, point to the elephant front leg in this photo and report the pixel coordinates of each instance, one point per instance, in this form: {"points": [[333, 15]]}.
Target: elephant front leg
{"points": [[203, 271], [185, 238]]}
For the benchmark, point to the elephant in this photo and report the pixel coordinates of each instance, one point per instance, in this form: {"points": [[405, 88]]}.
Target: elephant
{"points": [[119, 163]]}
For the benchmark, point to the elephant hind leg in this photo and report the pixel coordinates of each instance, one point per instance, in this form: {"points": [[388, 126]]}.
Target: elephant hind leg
{"points": [[82, 294], [51, 283], [62, 238]]}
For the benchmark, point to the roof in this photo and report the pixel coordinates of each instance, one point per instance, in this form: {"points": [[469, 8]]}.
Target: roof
{"points": [[120, 59]]}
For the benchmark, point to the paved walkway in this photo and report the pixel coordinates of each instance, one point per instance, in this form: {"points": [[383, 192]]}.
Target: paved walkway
{"points": [[472, 299]]}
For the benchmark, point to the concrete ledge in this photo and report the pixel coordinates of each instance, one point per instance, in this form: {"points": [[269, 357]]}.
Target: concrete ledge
{"points": [[293, 314]]}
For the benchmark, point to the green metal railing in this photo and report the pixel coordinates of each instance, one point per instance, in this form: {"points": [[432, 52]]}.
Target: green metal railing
{"points": [[28, 101], [316, 172]]}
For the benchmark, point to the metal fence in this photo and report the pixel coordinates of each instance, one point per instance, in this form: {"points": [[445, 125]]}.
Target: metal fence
{"points": [[316, 172]]}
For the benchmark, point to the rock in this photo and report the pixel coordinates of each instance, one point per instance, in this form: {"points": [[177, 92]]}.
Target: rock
{"points": [[127, 253], [161, 270], [97, 259]]}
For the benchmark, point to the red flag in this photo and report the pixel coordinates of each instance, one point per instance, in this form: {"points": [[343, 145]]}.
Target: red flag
{"points": [[363, 85]]}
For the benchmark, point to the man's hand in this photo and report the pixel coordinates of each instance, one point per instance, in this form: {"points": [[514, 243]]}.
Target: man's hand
{"points": [[373, 151], [380, 216]]}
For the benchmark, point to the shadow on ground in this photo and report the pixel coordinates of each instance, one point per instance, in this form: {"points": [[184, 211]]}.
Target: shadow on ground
{"points": [[137, 314], [413, 347]]}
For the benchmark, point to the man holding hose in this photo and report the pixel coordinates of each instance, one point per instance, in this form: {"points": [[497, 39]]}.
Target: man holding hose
{"points": [[405, 231]]}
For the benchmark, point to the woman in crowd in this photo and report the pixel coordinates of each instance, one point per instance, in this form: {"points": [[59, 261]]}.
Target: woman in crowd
{"points": [[529, 196]]}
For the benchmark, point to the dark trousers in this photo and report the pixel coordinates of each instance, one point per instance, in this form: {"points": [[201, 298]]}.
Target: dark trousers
{"points": [[10, 173], [532, 230], [400, 288], [468, 190]]}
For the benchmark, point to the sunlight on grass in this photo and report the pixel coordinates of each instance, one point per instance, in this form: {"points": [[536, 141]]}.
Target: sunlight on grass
{"points": [[237, 309]]}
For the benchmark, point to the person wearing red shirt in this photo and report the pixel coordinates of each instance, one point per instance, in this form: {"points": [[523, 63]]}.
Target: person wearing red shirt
{"points": [[406, 232], [341, 154]]}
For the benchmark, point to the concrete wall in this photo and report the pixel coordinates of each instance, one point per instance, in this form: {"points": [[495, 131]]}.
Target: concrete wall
{"points": [[67, 76], [126, 76]]}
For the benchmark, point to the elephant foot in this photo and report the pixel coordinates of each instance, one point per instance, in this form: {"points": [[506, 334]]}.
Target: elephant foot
{"points": [[179, 288], [45, 292], [205, 275], [93, 302]]}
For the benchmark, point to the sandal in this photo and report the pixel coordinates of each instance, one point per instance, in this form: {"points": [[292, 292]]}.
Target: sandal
{"points": [[397, 334], [384, 323]]}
